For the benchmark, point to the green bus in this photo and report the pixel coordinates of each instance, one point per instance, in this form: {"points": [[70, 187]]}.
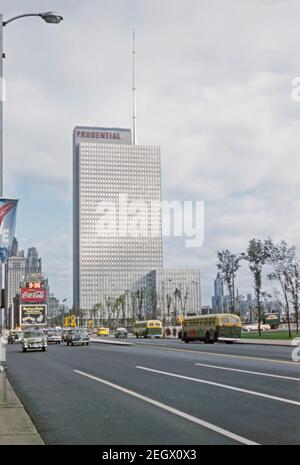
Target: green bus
{"points": [[211, 328], [148, 328], [272, 319]]}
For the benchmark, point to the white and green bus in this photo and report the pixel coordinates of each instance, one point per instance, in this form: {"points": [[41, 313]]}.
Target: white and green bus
{"points": [[211, 328], [148, 328]]}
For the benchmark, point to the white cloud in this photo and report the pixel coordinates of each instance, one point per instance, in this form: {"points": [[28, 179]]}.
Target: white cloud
{"points": [[214, 90]]}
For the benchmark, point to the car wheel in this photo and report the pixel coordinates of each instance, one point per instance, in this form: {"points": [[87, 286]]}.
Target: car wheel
{"points": [[87, 343], [72, 343], [44, 349], [24, 350]]}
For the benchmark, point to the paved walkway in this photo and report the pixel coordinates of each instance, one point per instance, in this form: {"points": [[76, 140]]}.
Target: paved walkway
{"points": [[16, 427]]}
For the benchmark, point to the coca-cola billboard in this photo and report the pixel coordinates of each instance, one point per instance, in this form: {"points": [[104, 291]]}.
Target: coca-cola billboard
{"points": [[33, 295]]}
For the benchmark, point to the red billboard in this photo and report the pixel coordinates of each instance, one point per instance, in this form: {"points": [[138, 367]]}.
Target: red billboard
{"points": [[33, 295]]}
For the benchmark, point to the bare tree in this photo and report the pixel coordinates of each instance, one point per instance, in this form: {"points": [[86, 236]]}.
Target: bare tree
{"points": [[257, 255], [281, 257], [228, 264], [293, 285]]}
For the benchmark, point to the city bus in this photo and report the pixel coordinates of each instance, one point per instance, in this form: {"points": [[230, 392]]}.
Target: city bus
{"points": [[148, 328], [211, 328]]}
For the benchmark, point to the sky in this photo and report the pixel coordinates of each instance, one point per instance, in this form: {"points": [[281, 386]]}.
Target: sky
{"points": [[213, 91]]}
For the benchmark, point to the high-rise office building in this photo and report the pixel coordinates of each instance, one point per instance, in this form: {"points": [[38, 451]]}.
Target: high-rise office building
{"points": [[116, 215], [15, 272], [33, 262], [218, 302]]}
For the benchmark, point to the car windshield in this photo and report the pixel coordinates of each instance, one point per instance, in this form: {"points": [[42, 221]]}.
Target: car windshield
{"points": [[33, 334]]}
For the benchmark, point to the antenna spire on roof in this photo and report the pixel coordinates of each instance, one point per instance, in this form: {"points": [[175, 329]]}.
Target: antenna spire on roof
{"points": [[134, 131]]}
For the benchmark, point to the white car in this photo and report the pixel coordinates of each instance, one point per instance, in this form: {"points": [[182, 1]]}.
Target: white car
{"points": [[33, 339], [254, 327], [53, 336]]}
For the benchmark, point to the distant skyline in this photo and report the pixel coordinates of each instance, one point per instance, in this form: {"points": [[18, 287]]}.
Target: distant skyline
{"points": [[213, 90]]}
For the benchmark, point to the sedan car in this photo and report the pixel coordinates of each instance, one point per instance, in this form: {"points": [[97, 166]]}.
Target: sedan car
{"points": [[53, 336], [103, 331], [77, 336], [33, 339], [121, 332], [14, 335]]}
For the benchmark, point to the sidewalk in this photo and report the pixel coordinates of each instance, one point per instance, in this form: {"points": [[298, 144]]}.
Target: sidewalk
{"points": [[16, 428]]}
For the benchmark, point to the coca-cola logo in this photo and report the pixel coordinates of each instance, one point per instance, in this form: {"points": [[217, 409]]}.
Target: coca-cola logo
{"points": [[33, 295]]}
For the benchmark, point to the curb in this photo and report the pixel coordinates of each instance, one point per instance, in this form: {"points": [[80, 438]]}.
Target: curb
{"points": [[111, 342], [275, 342], [16, 426]]}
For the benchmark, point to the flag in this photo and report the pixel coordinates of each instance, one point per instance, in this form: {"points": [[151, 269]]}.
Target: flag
{"points": [[8, 209]]}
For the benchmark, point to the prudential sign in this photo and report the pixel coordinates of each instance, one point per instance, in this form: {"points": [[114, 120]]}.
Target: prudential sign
{"points": [[8, 209]]}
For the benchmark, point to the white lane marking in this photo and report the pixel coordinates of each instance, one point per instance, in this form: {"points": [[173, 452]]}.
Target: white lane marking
{"points": [[169, 409], [248, 372], [224, 386]]}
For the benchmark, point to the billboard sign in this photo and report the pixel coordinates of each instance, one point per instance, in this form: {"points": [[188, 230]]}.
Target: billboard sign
{"points": [[8, 209], [31, 295], [33, 315]]}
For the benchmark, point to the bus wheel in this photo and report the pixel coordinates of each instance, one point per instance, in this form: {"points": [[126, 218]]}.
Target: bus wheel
{"points": [[185, 339], [207, 338]]}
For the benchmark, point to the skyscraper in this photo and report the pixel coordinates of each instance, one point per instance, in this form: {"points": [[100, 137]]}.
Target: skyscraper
{"points": [[15, 272], [218, 298], [33, 262], [116, 216]]}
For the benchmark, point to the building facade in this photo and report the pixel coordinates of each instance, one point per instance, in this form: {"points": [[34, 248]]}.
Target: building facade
{"points": [[116, 215], [218, 301], [33, 262], [15, 273]]}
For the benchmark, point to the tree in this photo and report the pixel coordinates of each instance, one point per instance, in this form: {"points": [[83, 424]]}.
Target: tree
{"points": [[281, 257], [169, 303], [293, 283], [140, 300], [109, 305], [257, 255], [177, 297], [134, 306], [228, 264], [95, 311]]}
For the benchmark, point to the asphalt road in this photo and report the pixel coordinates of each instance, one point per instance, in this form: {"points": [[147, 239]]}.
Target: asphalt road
{"points": [[160, 392]]}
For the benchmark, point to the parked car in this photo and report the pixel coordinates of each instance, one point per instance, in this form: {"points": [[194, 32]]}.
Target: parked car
{"points": [[15, 335], [103, 331], [33, 339], [53, 336], [121, 332], [77, 336], [254, 327]]}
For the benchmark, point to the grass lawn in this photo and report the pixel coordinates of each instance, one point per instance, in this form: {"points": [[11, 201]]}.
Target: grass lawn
{"points": [[269, 335]]}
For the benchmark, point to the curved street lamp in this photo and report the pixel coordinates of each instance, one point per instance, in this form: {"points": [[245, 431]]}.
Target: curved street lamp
{"points": [[50, 17]]}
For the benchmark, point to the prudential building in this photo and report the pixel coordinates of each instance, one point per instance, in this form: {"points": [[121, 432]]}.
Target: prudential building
{"points": [[116, 214]]}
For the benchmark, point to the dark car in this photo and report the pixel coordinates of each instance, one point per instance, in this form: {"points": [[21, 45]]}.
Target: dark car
{"points": [[77, 336]]}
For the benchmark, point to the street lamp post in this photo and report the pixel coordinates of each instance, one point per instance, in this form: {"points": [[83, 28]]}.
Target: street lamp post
{"points": [[49, 17]]}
